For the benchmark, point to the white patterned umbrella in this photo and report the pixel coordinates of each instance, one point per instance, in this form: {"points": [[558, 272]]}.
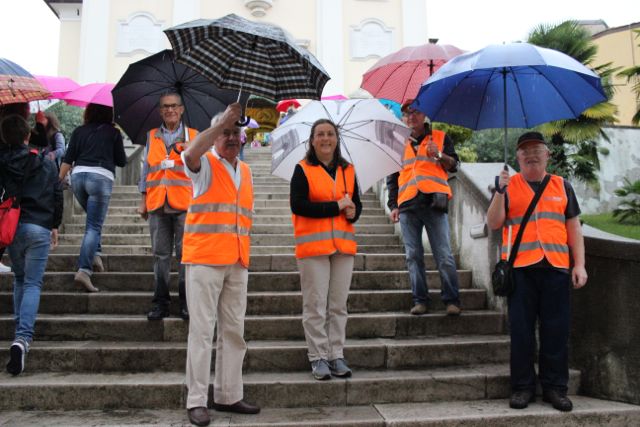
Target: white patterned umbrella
{"points": [[371, 138], [260, 58]]}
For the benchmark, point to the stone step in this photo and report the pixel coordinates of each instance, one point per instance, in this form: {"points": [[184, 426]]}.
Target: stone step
{"points": [[256, 239], [256, 250], [267, 190], [264, 262], [258, 303], [263, 201], [258, 219], [587, 412], [259, 281], [276, 207], [263, 356], [360, 325], [69, 391], [255, 229]]}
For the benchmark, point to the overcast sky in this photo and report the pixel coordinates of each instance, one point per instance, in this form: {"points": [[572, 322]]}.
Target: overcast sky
{"points": [[29, 31]]}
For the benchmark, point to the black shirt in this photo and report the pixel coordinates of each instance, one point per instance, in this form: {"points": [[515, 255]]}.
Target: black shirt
{"points": [[301, 205]]}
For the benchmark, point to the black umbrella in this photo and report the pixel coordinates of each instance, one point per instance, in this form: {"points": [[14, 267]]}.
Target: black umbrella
{"points": [[259, 58], [136, 96]]}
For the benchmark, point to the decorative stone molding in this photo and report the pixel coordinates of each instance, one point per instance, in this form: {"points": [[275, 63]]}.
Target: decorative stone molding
{"points": [[141, 31], [371, 39], [258, 8]]}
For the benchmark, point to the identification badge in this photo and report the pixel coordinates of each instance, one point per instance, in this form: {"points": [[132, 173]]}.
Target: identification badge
{"points": [[167, 164]]}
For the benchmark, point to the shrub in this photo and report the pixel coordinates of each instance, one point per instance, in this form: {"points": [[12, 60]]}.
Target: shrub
{"points": [[628, 211]]}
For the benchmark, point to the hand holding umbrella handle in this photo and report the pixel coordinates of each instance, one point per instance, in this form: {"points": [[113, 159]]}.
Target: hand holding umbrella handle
{"points": [[501, 189]]}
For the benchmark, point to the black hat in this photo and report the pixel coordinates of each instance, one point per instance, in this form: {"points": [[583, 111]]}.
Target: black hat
{"points": [[530, 136]]}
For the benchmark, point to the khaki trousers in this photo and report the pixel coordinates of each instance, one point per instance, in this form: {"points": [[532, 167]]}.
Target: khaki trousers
{"points": [[216, 292], [325, 282]]}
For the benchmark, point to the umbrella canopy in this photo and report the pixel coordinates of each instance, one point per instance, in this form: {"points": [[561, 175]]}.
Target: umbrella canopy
{"points": [[283, 106], [398, 76], [58, 86], [260, 58], [511, 85], [392, 106], [253, 124], [93, 93], [17, 85], [371, 138], [338, 97], [136, 95]]}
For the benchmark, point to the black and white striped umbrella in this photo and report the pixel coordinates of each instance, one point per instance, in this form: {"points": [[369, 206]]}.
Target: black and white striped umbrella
{"points": [[260, 58]]}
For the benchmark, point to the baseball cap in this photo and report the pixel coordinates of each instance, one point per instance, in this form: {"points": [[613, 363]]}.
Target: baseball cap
{"points": [[529, 137]]}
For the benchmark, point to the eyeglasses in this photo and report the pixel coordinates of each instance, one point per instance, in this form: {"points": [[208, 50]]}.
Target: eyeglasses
{"points": [[170, 106], [407, 113], [532, 151]]}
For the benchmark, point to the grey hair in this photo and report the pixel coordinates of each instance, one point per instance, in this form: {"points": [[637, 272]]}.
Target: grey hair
{"points": [[218, 118], [169, 93]]}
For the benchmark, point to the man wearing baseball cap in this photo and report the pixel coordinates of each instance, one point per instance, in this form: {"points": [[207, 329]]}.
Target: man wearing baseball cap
{"points": [[418, 199], [542, 272]]}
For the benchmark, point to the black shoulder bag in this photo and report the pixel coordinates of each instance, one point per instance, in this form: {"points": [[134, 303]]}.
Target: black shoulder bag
{"points": [[502, 276]]}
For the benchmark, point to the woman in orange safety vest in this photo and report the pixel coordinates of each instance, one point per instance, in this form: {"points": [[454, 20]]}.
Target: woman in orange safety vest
{"points": [[325, 202]]}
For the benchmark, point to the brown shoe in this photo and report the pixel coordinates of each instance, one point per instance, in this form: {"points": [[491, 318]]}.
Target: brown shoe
{"points": [[453, 310], [240, 407], [98, 266], [419, 308], [83, 280], [199, 416]]}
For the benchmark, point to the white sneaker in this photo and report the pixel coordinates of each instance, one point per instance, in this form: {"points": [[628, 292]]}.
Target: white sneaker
{"points": [[4, 268]]}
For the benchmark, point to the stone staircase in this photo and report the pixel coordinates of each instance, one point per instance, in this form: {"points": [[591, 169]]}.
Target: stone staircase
{"points": [[98, 361]]}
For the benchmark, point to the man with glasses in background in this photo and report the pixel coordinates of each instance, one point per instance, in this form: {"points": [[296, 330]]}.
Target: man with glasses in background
{"points": [[166, 193], [418, 198]]}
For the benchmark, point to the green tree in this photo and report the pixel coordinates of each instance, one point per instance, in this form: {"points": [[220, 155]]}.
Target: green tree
{"points": [[70, 117], [628, 211], [459, 135], [633, 74], [574, 143]]}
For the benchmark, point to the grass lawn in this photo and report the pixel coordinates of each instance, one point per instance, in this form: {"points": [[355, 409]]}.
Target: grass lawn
{"points": [[606, 222]]}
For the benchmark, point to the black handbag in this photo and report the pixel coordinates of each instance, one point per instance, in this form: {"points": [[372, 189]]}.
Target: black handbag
{"points": [[502, 276]]}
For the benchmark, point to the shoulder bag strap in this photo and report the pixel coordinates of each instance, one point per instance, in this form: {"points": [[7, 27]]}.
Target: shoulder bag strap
{"points": [[525, 219]]}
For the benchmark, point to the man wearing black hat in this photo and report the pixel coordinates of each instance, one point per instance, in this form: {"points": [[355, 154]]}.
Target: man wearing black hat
{"points": [[542, 272], [418, 199]]}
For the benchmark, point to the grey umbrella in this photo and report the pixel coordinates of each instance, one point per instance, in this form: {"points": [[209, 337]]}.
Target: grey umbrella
{"points": [[260, 58]]}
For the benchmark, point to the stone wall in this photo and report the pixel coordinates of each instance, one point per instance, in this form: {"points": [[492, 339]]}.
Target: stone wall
{"points": [[622, 161]]}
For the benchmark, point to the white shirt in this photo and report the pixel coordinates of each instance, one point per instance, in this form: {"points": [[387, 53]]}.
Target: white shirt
{"points": [[202, 179]]}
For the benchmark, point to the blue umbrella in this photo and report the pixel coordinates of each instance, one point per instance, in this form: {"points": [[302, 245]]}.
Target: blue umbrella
{"points": [[512, 85], [392, 106]]}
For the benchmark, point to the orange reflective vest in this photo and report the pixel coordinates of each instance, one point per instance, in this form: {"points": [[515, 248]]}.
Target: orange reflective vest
{"points": [[216, 230], [545, 234], [421, 172], [325, 236], [168, 184]]}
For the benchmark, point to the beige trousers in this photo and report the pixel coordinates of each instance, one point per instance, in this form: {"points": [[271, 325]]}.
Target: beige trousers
{"points": [[216, 293], [325, 282]]}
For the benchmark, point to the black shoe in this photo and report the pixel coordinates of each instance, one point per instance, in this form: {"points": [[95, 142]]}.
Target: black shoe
{"points": [[521, 399], [199, 416], [558, 400], [240, 407], [16, 361], [184, 313], [158, 313]]}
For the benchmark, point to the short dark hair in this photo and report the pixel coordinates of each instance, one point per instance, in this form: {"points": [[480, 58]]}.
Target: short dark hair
{"points": [[99, 114], [169, 93], [311, 155], [19, 108], [14, 130]]}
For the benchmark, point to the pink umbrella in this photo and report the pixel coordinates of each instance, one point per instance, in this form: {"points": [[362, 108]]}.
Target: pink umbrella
{"points": [[338, 97], [93, 93], [398, 76], [58, 86]]}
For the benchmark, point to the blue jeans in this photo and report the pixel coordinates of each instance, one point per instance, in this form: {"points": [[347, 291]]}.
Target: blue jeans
{"points": [[541, 295], [93, 192], [28, 252], [437, 226]]}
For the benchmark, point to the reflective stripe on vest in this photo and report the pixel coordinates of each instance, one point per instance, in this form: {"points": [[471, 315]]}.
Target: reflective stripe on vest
{"points": [[325, 236], [545, 234], [218, 223], [421, 172], [172, 184]]}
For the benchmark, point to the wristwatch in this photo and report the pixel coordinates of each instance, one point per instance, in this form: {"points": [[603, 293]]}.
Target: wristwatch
{"points": [[439, 155]]}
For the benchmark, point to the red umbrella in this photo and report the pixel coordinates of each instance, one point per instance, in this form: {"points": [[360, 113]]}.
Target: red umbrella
{"points": [[284, 105], [58, 86], [17, 85], [398, 76]]}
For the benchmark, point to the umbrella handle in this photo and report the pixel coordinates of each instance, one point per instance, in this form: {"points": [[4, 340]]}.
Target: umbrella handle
{"points": [[496, 185], [244, 121]]}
